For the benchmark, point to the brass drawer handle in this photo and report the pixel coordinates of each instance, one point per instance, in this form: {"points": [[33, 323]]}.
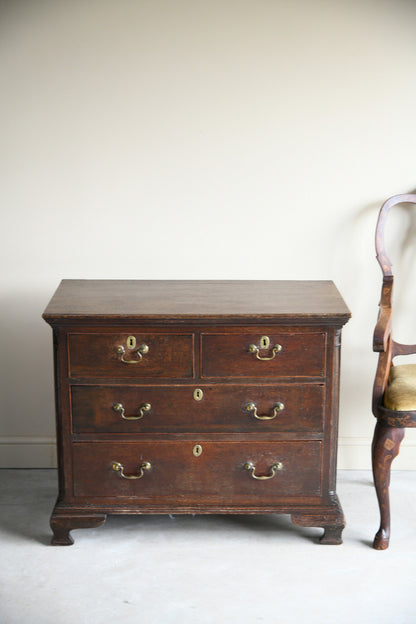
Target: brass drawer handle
{"points": [[140, 352], [252, 407], [117, 467], [276, 466], [143, 409], [276, 349]]}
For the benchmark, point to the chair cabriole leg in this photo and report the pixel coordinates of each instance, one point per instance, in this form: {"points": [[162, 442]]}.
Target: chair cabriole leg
{"points": [[386, 446]]}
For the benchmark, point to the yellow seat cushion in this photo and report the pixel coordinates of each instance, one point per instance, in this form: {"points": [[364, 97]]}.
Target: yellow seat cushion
{"points": [[400, 394]]}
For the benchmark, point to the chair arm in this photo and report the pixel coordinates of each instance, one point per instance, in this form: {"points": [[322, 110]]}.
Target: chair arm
{"points": [[381, 378], [382, 331]]}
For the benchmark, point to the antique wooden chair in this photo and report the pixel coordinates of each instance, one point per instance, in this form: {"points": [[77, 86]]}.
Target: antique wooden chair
{"points": [[394, 393]]}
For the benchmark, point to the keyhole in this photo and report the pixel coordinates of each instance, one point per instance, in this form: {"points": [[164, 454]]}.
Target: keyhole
{"points": [[131, 342], [198, 394], [197, 450], [264, 342]]}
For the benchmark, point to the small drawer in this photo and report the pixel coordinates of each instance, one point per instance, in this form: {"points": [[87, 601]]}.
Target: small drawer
{"points": [[130, 356], [284, 354], [204, 408], [194, 472]]}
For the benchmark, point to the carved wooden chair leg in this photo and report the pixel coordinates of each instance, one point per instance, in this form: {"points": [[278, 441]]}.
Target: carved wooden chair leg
{"points": [[386, 446]]}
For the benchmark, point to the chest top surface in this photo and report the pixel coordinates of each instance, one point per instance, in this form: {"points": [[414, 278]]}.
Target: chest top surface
{"points": [[263, 300]]}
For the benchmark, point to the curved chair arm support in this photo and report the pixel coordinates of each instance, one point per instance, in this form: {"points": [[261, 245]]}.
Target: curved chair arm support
{"points": [[382, 331], [381, 379]]}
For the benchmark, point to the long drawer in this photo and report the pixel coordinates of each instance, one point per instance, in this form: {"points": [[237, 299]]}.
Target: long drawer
{"points": [[116, 355], [205, 408], [197, 471], [282, 354]]}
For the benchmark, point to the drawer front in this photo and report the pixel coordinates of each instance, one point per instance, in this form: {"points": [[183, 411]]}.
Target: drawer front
{"points": [[126, 356], [204, 408], [175, 473], [243, 355]]}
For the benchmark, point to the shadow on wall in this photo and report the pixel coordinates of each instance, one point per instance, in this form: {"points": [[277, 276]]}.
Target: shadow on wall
{"points": [[26, 367]]}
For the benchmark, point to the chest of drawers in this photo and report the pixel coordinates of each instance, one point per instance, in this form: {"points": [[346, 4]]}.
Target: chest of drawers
{"points": [[196, 397]]}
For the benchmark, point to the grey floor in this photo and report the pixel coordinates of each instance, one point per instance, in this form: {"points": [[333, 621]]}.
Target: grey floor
{"points": [[205, 569]]}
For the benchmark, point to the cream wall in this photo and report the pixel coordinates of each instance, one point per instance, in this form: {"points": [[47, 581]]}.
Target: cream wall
{"points": [[193, 139]]}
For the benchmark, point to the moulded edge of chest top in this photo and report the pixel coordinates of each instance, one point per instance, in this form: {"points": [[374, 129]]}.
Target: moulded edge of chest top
{"points": [[196, 322]]}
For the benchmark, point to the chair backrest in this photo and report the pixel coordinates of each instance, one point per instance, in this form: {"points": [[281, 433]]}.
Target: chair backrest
{"points": [[383, 341]]}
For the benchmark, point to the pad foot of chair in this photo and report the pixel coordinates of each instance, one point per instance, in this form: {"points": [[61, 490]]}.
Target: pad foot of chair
{"points": [[381, 540]]}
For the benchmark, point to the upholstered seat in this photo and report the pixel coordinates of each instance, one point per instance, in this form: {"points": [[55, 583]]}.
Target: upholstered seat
{"points": [[400, 393]]}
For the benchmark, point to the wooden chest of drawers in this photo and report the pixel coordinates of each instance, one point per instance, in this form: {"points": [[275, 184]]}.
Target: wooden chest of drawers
{"points": [[196, 397]]}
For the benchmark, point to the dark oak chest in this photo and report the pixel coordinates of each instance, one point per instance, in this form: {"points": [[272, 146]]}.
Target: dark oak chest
{"points": [[196, 397]]}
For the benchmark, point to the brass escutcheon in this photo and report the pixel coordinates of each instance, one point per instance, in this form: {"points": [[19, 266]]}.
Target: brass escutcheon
{"points": [[197, 450], [198, 394], [131, 342], [264, 342]]}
